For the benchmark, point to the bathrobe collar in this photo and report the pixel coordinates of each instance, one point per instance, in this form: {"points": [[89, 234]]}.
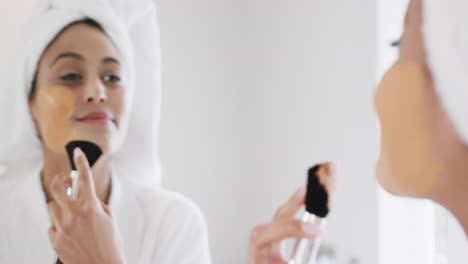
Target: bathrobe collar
{"points": [[34, 217]]}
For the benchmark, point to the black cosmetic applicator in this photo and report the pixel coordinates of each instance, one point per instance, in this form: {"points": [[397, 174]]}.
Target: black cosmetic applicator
{"points": [[317, 196], [92, 152]]}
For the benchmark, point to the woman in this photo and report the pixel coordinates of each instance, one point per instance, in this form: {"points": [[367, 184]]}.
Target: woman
{"points": [[421, 106], [88, 70]]}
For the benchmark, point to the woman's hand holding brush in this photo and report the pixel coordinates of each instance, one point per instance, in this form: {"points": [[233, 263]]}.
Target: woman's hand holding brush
{"points": [[83, 230], [265, 240], [317, 196]]}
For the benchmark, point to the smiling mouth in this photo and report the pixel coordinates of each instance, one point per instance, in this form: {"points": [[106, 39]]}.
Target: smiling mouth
{"points": [[96, 121], [97, 118], [101, 121]]}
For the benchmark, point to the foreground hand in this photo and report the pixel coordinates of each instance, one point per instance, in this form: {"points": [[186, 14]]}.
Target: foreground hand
{"points": [[83, 230], [265, 240]]}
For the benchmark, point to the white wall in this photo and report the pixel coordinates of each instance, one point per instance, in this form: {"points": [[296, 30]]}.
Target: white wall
{"points": [[257, 91], [13, 15]]}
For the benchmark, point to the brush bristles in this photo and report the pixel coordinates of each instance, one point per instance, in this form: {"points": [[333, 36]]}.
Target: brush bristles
{"points": [[317, 195], [91, 150]]}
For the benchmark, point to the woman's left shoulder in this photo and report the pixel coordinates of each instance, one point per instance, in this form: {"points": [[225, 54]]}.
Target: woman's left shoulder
{"points": [[173, 224], [163, 202]]}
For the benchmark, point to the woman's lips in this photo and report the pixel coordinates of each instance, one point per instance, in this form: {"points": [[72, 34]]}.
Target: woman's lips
{"points": [[96, 118]]}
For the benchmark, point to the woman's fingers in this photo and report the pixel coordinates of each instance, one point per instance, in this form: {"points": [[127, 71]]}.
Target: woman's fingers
{"points": [[272, 233], [85, 178], [265, 256], [106, 209], [55, 215], [290, 208], [53, 237], [58, 188], [266, 240]]}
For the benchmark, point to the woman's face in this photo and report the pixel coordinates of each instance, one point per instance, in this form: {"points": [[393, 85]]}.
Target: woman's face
{"points": [[79, 92], [417, 140]]}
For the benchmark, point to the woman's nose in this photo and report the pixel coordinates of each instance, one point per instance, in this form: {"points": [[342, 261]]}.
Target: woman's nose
{"points": [[95, 93]]}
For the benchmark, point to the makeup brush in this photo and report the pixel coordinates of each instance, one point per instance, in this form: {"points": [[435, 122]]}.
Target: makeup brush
{"points": [[320, 188], [92, 152]]}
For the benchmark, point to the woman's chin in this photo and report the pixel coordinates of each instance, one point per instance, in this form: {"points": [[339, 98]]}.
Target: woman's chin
{"points": [[100, 135], [403, 185], [103, 141]]}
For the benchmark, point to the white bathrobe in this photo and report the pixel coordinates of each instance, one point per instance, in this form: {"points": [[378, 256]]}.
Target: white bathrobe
{"points": [[157, 226]]}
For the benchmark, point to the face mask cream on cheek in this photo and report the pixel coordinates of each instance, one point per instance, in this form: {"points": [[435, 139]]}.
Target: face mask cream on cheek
{"points": [[56, 109], [409, 163]]}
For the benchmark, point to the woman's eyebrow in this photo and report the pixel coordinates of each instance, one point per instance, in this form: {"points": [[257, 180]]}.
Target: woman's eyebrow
{"points": [[80, 57], [110, 60], [67, 55]]}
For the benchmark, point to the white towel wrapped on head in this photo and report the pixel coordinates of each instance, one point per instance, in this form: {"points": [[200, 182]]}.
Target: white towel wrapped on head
{"points": [[446, 40], [132, 26]]}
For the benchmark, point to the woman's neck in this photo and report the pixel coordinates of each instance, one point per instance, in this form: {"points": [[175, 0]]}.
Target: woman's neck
{"points": [[455, 202], [58, 164], [451, 191]]}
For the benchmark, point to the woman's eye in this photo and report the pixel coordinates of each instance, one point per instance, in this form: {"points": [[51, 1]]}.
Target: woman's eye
{"points": [[71, 77], [112, 78]]}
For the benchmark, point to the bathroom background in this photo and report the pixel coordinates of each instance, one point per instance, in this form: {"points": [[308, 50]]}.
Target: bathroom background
{"points": [[257, 91]]}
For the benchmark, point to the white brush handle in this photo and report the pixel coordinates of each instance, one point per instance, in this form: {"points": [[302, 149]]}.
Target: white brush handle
{"points": [[305, 250], [72, 191]]}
